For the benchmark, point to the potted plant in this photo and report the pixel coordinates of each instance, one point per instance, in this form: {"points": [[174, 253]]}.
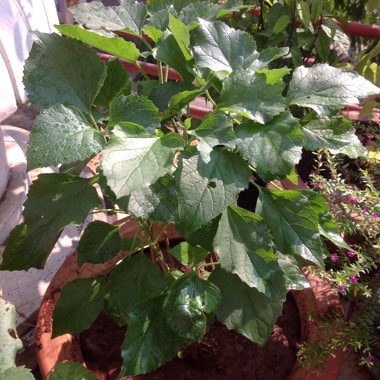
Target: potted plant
{"points": [[162, 168]]}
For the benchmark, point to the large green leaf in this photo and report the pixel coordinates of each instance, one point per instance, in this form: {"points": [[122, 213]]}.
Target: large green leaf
{"points": [[293, 223], [222, 49], [79, 305], [9, 345], [326, 89], [245, 309], [188, 301], [62, 135], [294, 278], [131, 164], [116, 46], [156, 202], [249, 94], [272, 149], [100, 242], [134, 109], [157, 5], [245, 248], [54, 201], [216, 129], [117, 83], [204, 9], [129, 16], [51, 76], [170, 53], [337, 134], [132, 281], [206, 189], [70, 371], [149, 341], [181, 34]]}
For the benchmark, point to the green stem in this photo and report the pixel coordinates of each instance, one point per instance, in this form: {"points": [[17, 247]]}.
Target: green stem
{"points": [[208, 264], [99, 210], [209, 97], [167, 67], [94, 179], [93, 122], [275, 185], [142, 71], [160, 76], [146, 43]]}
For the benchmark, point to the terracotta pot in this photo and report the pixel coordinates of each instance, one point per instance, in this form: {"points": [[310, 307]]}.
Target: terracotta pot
{"points": [[319, 300]]}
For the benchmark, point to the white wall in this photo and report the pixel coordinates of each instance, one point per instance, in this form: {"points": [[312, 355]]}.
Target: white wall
{"points": [[17, 19]]}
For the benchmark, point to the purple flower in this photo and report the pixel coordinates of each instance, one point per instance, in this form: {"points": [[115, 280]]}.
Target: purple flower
{"points": [[354, 279], [306, 184], [334, 257], [370, 358], [319, 184], [374, 216], [341, 288], [352, 200], [298, 346], [364, 210], [351, 254], [365, 119], [309, 321]]}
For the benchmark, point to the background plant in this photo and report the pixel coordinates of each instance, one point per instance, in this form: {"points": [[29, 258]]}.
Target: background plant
{"points": [[161, 167]]}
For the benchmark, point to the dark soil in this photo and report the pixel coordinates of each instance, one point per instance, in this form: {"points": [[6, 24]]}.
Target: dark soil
{"points": [[222, 355]]}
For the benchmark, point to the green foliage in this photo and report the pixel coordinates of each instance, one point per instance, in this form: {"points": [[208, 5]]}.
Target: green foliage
{"points": [[71, 370], [158, 164]]}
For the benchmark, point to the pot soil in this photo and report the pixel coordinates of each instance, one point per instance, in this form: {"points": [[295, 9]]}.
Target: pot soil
{"points": [[222, 354]]}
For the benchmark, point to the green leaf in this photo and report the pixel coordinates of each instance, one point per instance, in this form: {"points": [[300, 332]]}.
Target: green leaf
{"points": [[272, 149], [9, 342], [206, 189], [248, 94], [100, 243], [316, 10], [116, 46], [170, 53], [281, 24], [294, 278], [50, 77], [131, 164], [79, 305], [182, 99], [245, 248], [293, 223], [134, 109], [117, 83], [17, 373], [156, 202], [245, 309], [69, 199], [303, 12], [70, 371], [177, 5], [188, 301], [219, 48], [326, 89], [187, 254], [336, 134], [146, 327], [129, 16], [204, 9], [204, 236], [62, 135], [216, 129], [181, 34], [132, 281], [161, 93]]}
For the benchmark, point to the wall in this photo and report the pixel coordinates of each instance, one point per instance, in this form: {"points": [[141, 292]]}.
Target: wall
{"points": [[18, 18]]}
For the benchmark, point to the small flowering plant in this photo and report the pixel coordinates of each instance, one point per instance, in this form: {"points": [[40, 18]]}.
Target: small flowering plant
{"points": [[162, 167]]}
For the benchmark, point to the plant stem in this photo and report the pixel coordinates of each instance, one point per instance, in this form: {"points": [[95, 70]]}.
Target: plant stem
{"points": [[167, 67], [94, 179], [99, 210], [160, 76], [93, 122], [208, 264], [210, 98], [146, 43], [275, 185], [142, 72]]}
